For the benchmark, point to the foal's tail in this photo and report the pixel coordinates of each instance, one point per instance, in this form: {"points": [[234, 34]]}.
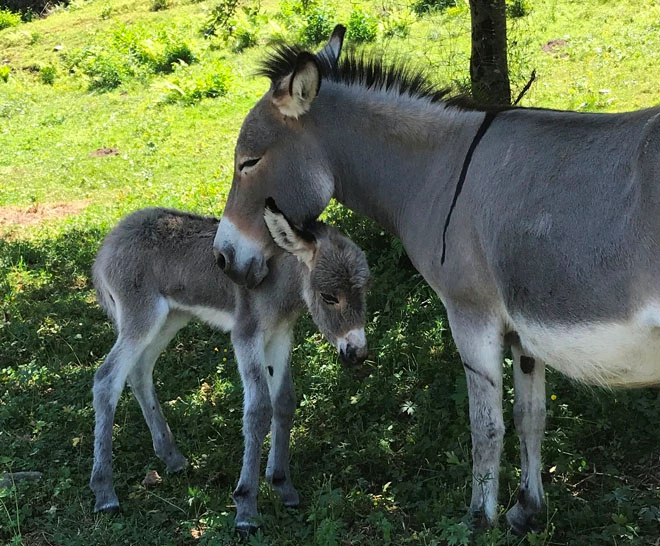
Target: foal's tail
{"points": [[104, 296]]}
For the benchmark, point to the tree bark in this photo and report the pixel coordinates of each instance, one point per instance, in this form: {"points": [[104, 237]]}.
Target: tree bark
{"points": [[489, 72]]}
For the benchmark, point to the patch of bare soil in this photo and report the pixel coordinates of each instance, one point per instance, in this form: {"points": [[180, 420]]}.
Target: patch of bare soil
{"points": [[37, 213], [104, 152], [553, 47]]}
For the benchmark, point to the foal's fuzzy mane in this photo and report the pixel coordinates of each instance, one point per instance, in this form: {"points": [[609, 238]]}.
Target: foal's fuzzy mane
{"points": [[366, 70]]}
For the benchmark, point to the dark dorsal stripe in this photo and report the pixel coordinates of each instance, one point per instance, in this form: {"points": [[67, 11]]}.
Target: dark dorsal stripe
{"points": [[488, 119]]}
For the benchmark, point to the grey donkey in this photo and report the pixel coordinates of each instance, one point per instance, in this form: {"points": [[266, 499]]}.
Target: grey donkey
{"points": [[537, 229], [156, 271]]}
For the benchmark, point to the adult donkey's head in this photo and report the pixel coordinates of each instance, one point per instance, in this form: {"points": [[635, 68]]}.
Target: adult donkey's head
{"points": [[276, 155]]}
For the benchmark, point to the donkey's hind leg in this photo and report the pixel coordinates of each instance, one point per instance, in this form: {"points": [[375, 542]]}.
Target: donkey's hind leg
{"points": [[141, 381], [136, 332], [283, 401], [257, 413], [529, 417]]}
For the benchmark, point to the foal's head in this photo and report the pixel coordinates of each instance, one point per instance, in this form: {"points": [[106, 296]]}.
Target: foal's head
{"points": [[335, 281]]}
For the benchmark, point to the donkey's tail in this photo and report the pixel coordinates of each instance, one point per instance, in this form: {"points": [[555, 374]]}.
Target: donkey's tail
{"points": [[104, 297]]}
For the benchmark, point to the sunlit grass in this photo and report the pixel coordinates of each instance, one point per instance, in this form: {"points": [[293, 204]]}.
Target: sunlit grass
{"points": [[381, 455]]}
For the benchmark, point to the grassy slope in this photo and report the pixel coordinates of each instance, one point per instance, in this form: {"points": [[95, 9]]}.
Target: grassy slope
{"points": [[380, 459]]}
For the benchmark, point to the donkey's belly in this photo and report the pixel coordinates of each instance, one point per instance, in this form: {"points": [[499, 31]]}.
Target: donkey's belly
{"points": [[222, 319], [616, 353]]}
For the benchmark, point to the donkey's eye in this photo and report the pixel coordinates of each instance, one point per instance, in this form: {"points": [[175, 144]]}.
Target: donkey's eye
{"points": [[248, 163], [329, 299]]}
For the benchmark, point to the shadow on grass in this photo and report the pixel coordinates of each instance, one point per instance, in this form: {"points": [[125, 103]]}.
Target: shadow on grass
{"points": [[53, 335], [379, 453]]}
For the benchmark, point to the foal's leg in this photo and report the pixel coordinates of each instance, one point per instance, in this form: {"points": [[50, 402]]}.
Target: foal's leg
{"points": [[249, 351], [529, 417], [137, 331], [141, 381], [479, 343], [283, 400]]}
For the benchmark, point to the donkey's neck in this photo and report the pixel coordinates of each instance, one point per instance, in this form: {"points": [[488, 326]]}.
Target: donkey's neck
{"points": [[392, 153]]}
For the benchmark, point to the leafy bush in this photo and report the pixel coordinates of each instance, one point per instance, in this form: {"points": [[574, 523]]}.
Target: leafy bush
{"points": [[219, 17], [159, 5], [47, 74], [242, 29], [244, 35], [9, 19], [158, 51], [106, 12], [517, 8], [307, 22], [397, 24], [188, 87], [106, 70], [318, 24], [29, 7], [130, 51], [362, 27], [105, 67], [5, 70], [421, 7], [171, 53]]}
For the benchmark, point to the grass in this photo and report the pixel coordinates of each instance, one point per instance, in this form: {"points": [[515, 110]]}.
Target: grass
{"points": [[379, 457]]}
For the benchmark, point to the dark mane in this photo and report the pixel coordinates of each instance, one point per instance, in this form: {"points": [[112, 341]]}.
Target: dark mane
{"points": [[368, 71]]}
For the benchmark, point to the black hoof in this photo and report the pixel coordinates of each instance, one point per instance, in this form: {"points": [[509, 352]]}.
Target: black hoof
{"points": [[110, 510], [478, 520], [245, 531], [523, 524]]}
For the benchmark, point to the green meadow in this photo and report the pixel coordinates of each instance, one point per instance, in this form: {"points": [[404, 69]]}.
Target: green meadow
{"points": [[107, 106]]}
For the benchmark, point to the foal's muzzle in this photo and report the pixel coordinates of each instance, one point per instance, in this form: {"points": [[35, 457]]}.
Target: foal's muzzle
{"points": [[353, 348], [353, 356]]}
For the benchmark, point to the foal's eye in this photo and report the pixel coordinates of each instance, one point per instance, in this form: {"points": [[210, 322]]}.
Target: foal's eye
{"points": [[246, 164], [329, 299]]}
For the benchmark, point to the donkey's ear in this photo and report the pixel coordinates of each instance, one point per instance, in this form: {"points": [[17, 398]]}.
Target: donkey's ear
{"points": [[295, 93], [332, 50], [302, 244]]}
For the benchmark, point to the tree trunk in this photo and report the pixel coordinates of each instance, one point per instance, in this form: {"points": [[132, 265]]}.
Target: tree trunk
{"points": [[489, 71]]}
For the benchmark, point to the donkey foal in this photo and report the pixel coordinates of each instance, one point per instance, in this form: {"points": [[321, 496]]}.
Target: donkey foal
{"points": [[156, 271]]}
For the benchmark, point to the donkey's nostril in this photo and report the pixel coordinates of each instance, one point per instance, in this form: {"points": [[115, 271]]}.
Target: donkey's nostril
{"points": [[224, 257]]}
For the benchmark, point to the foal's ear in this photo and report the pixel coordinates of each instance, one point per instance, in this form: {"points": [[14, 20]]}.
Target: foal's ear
{"points": [[295, 93], [300, 243], [332, 50]]}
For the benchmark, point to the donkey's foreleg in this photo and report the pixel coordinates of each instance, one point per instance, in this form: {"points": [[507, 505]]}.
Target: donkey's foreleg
{"points": [[109, 381], [529, 417], [257, 412], [283, 400], [480, 346], [142, 385]]}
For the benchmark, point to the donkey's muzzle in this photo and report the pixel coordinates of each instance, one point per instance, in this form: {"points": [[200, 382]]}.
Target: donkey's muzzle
{"points": [[249, 274], [221, 257]]}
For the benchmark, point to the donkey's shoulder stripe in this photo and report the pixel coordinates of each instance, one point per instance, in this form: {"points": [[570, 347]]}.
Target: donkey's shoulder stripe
{"points": [[488, 119]]}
